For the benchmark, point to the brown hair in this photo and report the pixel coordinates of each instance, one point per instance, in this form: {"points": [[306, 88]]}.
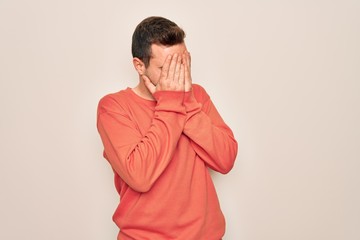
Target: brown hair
{"points": [[154, 30]]}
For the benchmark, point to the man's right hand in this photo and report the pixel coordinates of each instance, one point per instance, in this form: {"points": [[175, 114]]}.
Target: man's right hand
{"points": [[172, 77]]}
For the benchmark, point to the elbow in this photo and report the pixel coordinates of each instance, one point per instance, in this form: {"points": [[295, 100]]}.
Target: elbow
{"points": [[137, 180], [225, 165], [226, 168], [141, 185], [139, 177], [230, 160], [140, 188]]}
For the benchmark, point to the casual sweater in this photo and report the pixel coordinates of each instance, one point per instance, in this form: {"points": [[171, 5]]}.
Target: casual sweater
{"points": [[161, 152]]}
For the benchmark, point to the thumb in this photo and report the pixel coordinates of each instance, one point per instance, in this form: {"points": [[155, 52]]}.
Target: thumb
{"points": [[149, 85]]}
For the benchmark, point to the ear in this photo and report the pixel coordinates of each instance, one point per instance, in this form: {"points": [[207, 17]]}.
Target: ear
{"points": [[139, 66]]}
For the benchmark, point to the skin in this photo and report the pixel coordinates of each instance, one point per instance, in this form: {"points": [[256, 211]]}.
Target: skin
{"points": [[168, 70]]}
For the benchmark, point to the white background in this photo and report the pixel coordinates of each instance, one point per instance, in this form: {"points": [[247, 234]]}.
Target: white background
{"points": [[285, 76]]}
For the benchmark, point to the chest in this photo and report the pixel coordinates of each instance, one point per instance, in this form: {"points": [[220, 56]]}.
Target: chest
{"points": [[141, 116]]}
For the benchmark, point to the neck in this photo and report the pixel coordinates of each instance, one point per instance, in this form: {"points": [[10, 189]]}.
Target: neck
{"points": [[142, 91]]}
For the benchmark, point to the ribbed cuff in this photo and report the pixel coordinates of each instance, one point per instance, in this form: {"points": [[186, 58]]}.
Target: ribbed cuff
{"points": [[190, 103], [170, 101]]}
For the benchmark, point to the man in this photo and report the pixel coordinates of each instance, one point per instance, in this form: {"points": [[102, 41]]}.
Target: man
{"points": [[160, 139]]}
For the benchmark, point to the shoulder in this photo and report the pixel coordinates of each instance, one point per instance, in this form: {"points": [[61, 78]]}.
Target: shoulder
{"points": [[112, 102], [200, 93]]}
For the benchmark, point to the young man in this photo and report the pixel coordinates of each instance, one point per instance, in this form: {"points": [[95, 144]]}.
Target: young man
{"points": [[160, 139]]}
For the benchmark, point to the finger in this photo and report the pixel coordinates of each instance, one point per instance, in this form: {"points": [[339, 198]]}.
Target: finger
{"points": [[185, 58], [182, 75], [188, 81], [188, 59], [165, 68], [177, 69], [172, 67], [149, 85], [187, 69]]}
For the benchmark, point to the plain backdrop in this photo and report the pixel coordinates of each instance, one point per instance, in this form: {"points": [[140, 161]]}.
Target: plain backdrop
{"points": [[285, 76]]}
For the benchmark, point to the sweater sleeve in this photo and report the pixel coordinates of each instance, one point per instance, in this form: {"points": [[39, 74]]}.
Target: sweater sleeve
{"points": [[211, 138], [140, 160]]}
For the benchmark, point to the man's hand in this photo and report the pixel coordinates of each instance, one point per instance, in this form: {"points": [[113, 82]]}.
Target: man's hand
{"points": [[172, 77]]}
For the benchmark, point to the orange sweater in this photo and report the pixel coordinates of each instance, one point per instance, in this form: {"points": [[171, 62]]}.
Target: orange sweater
{"points": [[160, 152]]}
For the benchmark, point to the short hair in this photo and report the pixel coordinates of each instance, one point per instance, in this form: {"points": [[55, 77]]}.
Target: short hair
{"points": [[154, 30]]}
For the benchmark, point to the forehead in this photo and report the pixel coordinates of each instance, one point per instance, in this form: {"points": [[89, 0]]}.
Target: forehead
{"points": [[160, 52]]}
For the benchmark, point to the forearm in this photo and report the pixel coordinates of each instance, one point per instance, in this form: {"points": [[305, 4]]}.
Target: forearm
{"points": [[140, 159], [211, 138]]}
